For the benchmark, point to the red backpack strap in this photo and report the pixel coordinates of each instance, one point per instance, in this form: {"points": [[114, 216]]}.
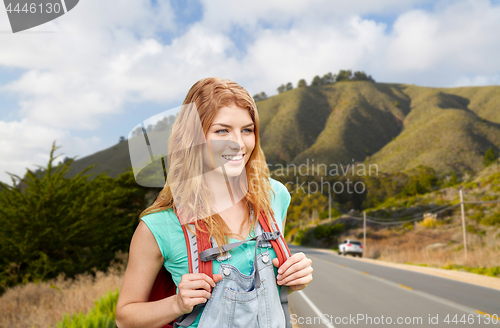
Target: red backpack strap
{"points": [[203, 244], [196, 245], [279, 245]]}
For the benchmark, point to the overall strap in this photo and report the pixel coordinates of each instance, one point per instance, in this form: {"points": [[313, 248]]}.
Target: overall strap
{"points": [[283, 253]]}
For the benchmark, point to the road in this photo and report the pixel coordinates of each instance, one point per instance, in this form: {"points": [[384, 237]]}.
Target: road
{"points": [[350, 293]]}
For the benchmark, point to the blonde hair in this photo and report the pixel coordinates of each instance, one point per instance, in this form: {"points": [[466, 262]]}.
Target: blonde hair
{"points": [[186, 166]]}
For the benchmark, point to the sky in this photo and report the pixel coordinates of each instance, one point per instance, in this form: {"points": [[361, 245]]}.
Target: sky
{"points": [[91, 75]]}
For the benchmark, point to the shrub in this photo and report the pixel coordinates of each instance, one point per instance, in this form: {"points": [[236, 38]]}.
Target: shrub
{"points": [[492, 272], [489, 157], [57, 224], [472, 229], [477, 216], [408, 226], [299, 236], [328, 232], [491, 220], [428, 222], [102, 315]]}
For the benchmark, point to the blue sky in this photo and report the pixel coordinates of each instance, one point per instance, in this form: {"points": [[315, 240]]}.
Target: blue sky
{"points": [[107, 67]]}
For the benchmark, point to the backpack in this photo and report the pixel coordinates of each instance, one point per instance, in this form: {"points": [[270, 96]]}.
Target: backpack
{"points": [[164, 285]]}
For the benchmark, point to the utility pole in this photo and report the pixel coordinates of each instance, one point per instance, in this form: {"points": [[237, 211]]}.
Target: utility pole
{"points": [[463, 222], [329, 206], [364, 232]]}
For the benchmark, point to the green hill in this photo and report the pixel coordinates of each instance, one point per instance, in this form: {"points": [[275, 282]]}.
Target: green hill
{"points": [[113, 160], [441, 131], [395, 126]]}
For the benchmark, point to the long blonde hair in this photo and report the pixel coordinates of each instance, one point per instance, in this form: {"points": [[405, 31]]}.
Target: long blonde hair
{"points": [[209, 95]]}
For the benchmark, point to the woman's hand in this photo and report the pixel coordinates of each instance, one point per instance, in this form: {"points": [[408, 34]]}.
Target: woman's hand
{"points": [[296, 272], [194, 288]]}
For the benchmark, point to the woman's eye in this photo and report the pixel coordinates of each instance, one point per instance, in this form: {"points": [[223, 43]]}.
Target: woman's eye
{"points": [[249, 130], [221, 131]]}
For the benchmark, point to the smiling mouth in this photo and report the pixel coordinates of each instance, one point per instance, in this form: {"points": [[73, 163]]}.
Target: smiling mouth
{"points": [[233, 157]]}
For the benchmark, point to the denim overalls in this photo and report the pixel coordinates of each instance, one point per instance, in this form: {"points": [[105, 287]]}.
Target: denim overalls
{"points": [[239, 300]]}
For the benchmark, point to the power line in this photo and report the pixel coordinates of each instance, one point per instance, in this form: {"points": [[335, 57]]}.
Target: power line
{"points": [[483, 202], [385, 221]]}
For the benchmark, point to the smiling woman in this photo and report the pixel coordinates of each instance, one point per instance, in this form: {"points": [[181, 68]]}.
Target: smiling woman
{"points": [[218, 194]]}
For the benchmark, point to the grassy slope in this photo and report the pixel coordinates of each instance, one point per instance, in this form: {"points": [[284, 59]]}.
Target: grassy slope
{"points": [[441, 132], [364, 119], [113, 160], [291, 122]]}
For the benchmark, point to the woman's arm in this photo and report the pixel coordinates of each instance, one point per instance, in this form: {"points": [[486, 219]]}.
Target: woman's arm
{"points": [[145, 260], [296, 272]]}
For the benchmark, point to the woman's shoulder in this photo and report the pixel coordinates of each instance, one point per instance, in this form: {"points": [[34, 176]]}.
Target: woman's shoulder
{"points": [[163, 217], [279, 188]]}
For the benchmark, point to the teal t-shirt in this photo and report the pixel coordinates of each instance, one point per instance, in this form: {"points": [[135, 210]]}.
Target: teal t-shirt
{"points": [[168, 233]]}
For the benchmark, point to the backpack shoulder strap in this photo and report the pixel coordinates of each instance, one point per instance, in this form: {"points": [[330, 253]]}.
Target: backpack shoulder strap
{"points": [[279, 245], [196, 245]]}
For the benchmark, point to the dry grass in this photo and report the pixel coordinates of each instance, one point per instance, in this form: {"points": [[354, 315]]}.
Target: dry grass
{"points": [[38, 305], [437, 246]]}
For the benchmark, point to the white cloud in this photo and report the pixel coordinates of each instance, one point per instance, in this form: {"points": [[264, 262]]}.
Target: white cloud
{"points": [[25, 143], [461, 37], [283, 56], [478, 80]]}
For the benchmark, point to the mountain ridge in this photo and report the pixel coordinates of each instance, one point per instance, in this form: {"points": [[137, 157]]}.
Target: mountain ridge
{"points": [[396, 126]]}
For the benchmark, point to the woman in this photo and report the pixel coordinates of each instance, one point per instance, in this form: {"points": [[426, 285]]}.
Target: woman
{"points": [[216, 173]]}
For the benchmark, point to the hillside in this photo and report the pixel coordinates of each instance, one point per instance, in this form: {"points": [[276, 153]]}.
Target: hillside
{"points": [[395, 126], [113, 160], [442, 132]]}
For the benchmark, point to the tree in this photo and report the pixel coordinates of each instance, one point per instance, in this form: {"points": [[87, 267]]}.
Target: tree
{"points": [[316, 81], [260, 96], [137, 132], [327, 79], [344, 75], [64, 225], [302, 83], [281, 89], [289, 86], [359, 76], [122, 139], [489, 157]]}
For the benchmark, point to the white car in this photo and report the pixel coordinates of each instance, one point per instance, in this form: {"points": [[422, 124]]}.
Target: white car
{"points": [[350, 246]]}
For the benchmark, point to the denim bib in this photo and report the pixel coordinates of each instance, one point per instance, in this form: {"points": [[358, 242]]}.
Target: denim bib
{"points": [[239, 300]]}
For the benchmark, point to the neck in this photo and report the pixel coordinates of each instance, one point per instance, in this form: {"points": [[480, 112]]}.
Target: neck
{"points": [[226, 193]]}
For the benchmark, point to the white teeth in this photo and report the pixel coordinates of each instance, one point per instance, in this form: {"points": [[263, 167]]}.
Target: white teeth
{"points": [[233, 158]]}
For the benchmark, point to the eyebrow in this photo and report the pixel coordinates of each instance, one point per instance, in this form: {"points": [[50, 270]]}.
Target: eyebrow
{"points": [[229, 126]]}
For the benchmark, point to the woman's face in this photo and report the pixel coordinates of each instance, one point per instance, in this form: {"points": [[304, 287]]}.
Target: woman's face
{"points": [[231, 140]]}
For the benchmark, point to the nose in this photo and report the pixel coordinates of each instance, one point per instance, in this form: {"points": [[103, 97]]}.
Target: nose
{"points": [[237, 142]]}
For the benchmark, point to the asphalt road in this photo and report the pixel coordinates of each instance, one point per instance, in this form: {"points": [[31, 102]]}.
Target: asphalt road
{"points": [[350, 293]]}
